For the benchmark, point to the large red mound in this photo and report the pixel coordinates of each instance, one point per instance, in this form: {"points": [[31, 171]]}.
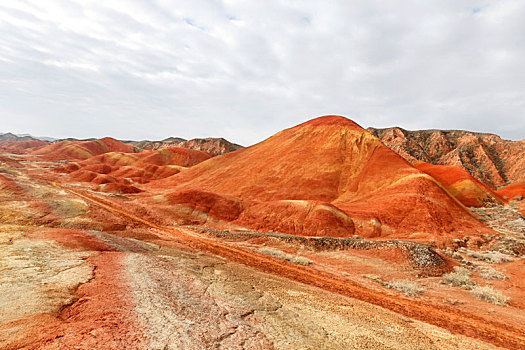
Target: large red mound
{"points": [[326, 176], [122, 169], [79, 150], [458, 182]]}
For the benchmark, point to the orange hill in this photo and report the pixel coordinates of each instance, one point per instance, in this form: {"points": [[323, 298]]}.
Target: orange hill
{"points": [[458, 182], [513, 191], [79, 150], [327, 176], [117, 171]]}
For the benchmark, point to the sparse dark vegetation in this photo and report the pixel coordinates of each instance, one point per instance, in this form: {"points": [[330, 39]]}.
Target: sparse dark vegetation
{"points": [[459, 278], [408, 287], [301, 260], [488, 294], [489, 273]]}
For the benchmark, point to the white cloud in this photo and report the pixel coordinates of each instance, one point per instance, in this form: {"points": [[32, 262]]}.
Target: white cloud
{"points": [[246, 69]]}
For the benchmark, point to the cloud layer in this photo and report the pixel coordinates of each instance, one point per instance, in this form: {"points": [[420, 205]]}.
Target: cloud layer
{"points": [[246, 69]]}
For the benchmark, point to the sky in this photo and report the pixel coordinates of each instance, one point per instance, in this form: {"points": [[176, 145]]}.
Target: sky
{"points": [[244, 70]]}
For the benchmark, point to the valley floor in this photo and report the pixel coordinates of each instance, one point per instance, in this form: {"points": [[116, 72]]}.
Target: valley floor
{"points": [[79, 270]]}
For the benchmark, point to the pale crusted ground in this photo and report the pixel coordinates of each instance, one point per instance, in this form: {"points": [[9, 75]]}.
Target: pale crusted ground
{"points": [[36, 276], [187, 301]]}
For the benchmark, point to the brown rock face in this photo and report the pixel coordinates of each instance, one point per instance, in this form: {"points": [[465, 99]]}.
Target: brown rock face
{"points": [[487, 157], [153, 145], [214, 146], [12, 137], [211, 145]]}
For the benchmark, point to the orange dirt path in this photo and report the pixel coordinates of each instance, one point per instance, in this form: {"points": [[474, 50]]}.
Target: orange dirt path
{"points": [[440, 315]]}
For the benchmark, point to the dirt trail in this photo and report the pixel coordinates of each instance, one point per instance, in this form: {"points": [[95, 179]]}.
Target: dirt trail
{"points": [[440, 315]]}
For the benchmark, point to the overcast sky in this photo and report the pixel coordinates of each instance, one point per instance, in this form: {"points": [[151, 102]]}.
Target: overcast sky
{"points": [[245, 69]]}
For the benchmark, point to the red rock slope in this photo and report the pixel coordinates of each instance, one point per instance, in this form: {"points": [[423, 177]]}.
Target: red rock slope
{"points": [[215, 146], [327, 176], [487, 157], [459, 183], [79, 150]]}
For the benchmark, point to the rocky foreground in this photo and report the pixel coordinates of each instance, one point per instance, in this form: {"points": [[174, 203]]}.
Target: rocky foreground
{"points": [[166, 298]]}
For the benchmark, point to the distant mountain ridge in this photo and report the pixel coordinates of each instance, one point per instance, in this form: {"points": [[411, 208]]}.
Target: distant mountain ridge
{"points": [[212, 145], [8, 136], [13, 137], [153, 145]]}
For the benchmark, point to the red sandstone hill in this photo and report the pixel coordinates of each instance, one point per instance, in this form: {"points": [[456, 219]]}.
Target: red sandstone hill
{"points": [[487, 157], [327, 176], [21, 146], [515, 191], [79, 150], [118, 171], [214, 146], [11, 143], [459, 183]]}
